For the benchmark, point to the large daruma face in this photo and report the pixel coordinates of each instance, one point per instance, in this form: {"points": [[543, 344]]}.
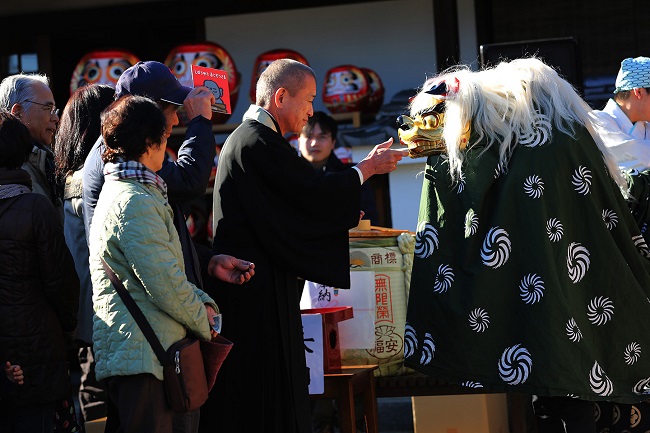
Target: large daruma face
{"points": [[101, 67], [346, 89], [265, 59], [209, 55]]}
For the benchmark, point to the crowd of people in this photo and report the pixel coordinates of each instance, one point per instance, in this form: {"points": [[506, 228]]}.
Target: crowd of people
{"points": [[94, 188]]}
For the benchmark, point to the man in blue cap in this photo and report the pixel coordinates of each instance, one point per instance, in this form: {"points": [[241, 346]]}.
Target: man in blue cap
{"points": [[626, 116], [186, 178]]}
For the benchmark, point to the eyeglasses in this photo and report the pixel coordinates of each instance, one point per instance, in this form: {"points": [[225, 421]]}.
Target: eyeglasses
{"points": [[50, 107]]}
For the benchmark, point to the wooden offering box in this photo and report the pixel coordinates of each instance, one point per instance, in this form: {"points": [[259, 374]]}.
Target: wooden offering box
{"points": [[331, 318]]}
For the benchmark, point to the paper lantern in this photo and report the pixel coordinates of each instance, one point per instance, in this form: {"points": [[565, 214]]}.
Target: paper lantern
{"points": [[209, 55], [346, 89], [101, 67], [265, 59]]}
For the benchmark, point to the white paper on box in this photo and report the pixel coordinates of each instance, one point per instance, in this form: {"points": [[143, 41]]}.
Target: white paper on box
{"points": [[312, 329], [355, 333]]}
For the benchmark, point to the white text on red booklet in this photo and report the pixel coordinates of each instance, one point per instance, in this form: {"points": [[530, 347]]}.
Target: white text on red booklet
{"points": [[217, 81]]}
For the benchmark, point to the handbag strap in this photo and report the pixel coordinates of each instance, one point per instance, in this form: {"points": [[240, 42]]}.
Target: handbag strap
{"points": [[137, 314]]}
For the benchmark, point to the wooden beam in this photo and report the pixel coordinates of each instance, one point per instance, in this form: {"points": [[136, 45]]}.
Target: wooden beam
{"points": [[445, 21]]}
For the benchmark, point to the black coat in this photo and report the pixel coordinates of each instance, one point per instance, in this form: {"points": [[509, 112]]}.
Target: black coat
{"points": [[368, 205], [39, 293], [273, 208]]}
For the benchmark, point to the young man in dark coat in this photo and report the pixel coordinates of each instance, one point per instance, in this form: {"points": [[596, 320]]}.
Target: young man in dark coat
{"points": [[272, 207], [316, 144]]}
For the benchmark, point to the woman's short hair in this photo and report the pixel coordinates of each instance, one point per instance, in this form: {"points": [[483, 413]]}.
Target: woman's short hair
{"points": [[130, 126], [15, 141]]}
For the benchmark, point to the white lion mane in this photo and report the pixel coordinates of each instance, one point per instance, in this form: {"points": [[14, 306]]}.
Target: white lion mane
{"points": [[501, 103]]}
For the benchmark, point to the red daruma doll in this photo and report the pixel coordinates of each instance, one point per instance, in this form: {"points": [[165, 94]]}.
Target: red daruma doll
{"points": [[265, 59], [101, 67], [346, 89], [376, 94], [209, 55]]}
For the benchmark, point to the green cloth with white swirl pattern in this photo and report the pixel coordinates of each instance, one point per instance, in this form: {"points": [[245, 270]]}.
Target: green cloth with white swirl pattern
{"points": [[531, 280]]}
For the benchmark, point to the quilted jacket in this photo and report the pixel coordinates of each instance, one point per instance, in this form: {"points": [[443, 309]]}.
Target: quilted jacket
{"points": [[39, 294], [133, 230]]}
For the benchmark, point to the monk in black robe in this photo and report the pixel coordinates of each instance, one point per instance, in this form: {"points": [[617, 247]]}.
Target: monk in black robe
{"points": [[271, 206]]}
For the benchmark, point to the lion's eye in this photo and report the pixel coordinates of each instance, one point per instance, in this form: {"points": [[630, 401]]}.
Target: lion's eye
{"points": [[431, 120]]}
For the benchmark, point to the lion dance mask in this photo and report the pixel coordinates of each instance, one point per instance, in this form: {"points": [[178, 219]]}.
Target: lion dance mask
{"points": [[422, 132], [530, 274]]}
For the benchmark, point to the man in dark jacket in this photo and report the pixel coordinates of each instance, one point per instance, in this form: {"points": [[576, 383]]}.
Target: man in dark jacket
{"points": [[317, 142], [270, 205], [187, 177]]}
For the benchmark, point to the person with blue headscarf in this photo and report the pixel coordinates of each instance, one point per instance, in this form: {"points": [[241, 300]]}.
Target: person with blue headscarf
{"points": [[626, 115]]}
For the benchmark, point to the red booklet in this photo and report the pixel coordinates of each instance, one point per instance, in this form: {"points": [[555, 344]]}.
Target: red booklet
{"points": [[217, 81]]}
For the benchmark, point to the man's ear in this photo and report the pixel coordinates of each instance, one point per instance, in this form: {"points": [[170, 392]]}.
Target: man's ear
{"points": [[638, 94], [279, 96], [17, 110]]}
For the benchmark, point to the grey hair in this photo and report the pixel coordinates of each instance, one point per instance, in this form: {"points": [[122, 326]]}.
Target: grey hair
{"points": [[18, 88], [286, 73]]}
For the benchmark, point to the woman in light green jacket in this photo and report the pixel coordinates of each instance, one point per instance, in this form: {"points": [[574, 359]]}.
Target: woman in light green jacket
{"points": [[133, 232]]}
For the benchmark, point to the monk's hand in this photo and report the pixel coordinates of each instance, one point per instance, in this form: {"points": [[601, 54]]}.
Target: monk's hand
{"points": [[381, 159], [231, 269]]}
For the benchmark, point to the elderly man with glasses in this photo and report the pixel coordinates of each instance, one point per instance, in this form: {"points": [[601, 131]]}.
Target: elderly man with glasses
{"points": [[28, 96]]}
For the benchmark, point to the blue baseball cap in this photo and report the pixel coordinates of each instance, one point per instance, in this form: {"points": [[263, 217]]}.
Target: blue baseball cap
{"points": [[634, 74], [153, 80]]}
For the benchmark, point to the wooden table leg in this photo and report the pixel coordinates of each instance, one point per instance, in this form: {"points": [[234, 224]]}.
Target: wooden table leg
{"points": [[342, 385], [370, 406], [346, 408]]}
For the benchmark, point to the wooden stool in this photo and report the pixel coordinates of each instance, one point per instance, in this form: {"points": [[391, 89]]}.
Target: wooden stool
{"points": [[343, 384]]}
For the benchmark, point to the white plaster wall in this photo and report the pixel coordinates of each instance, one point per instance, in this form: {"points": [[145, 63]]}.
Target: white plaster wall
{"points": [[394, 38]]}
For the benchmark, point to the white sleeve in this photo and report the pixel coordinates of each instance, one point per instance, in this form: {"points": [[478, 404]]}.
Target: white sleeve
{"points": [[360, 174]]}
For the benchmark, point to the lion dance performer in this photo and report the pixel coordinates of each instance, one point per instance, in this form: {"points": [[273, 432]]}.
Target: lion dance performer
{"points": [[530, 273]]}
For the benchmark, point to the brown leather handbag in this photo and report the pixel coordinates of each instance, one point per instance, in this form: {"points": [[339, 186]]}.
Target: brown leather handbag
{"points": [[187, 378], [185, 382]]}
